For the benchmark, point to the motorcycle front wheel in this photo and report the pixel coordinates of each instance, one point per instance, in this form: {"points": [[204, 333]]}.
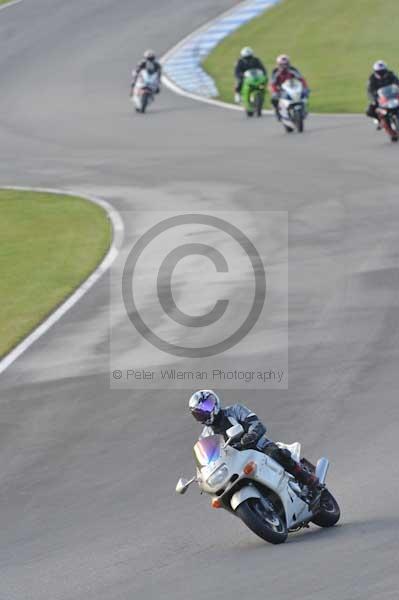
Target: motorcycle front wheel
{"points": [[258, 104], [262, 520], [329, 512], [395, 127], [298, 119], [144, 102]]}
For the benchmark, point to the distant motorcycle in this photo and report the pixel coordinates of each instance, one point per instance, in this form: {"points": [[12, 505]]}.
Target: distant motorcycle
{"points": [[253, 91], [256, 489], [388, 110], [293, 105], [144, 90]]}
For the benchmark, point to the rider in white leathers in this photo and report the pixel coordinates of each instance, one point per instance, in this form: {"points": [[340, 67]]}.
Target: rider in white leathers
{"points": [[149, 63]]}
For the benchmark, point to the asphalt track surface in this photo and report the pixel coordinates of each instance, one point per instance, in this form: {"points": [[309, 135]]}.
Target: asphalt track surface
{"points": [[87, 509]]}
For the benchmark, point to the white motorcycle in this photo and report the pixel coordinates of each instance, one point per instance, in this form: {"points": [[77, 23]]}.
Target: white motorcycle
{"points": [[255, 488], [292, 105], [143, 93]]}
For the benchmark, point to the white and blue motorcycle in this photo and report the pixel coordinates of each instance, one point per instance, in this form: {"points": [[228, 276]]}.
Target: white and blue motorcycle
{"points": [[292, 105], [144, 90], [255, 488]]}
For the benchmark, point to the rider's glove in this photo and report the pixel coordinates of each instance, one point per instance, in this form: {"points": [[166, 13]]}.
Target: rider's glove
{"points": [[249, 439], [237, 98]]}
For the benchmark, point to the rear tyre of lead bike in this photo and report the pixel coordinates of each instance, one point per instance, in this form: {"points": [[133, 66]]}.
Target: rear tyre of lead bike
{"points": [[329, 512], [266, 524]]}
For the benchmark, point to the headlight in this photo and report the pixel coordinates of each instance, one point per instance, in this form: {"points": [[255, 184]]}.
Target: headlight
{"points": [[218, 476]]}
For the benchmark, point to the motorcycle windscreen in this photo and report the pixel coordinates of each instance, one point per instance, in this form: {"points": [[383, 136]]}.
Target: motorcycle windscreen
{"points": [[389, 92], [291, 88], [253, 74], [207, 450]]}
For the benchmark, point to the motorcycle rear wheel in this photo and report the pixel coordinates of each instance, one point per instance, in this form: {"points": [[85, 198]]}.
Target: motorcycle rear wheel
{"points": [[265, 523], [329, 512]]}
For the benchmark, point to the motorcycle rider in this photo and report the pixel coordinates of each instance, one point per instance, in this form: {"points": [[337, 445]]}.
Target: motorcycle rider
{"points": [[246, 61], [379, 78], [151, 64], [281, 73], [205, 406]]}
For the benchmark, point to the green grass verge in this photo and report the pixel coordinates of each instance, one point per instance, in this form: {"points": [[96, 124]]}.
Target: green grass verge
{"points": [[49, 245], [5, 1], [333, 42]]}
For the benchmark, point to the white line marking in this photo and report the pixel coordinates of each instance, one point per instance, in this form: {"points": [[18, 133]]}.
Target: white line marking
{"points": [[118, 231], [172, 86], [219, 21], [180, 46], [8, 4]]}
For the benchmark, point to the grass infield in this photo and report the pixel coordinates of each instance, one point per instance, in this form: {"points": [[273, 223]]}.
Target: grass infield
{"points": [[49, 245], [333, 42]]}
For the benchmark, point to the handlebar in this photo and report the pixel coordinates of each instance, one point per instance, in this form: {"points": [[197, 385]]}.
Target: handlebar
{"points": [[230, 441]]}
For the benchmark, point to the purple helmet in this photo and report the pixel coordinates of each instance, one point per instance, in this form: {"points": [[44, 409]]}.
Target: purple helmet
{"points": [[204, 406]]}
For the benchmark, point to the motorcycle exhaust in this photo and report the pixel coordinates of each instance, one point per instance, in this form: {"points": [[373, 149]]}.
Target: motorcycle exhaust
{"points": [[321, 469]]}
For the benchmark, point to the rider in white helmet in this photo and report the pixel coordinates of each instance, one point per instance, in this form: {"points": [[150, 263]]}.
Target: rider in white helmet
{"points": [[150, 63], [205, 407], [246, 61], [379, 78]]}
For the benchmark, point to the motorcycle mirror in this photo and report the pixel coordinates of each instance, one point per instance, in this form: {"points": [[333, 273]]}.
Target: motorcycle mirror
{"points": [[183, 485], [235, 431]]}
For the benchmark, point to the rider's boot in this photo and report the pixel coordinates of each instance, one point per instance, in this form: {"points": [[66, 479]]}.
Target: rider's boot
{"points": [[311, 482], [274, 102]]}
